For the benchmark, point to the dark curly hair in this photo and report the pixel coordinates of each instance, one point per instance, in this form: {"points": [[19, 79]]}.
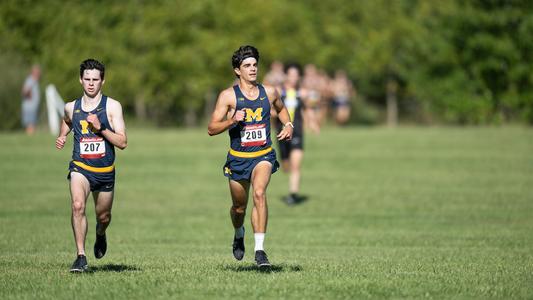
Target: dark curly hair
{"points": [[243, 53], [90, 64], [291, 65]]}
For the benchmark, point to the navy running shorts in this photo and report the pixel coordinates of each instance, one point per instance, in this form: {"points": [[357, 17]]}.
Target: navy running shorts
{"points": [[239, 168], [99, 182]]}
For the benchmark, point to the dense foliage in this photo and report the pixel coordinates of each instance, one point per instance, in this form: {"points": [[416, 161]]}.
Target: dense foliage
{"points": [[466, 62]]}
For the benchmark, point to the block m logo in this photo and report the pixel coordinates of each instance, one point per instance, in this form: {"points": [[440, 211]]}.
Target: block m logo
{"points": [[254, 115]]}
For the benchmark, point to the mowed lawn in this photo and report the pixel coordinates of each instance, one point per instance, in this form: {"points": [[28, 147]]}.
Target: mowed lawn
{"points": [[405, 213]]}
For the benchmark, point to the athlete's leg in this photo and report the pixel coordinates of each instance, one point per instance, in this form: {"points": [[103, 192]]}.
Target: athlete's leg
{"points": [[284, 152], [323, 109], [286, 165], [260, 179], [296, 157], [239, 196], [103, 202], [342, 114], [79, 190]]}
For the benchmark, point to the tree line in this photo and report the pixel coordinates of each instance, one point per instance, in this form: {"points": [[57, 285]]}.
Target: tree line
{"points": [[422, 61]]}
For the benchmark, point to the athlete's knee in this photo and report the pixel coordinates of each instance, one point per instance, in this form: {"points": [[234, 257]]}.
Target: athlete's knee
{"points": [[285, 165], [239, 209], [295, 168], [104, 217], [78, 208], [259, 195]]}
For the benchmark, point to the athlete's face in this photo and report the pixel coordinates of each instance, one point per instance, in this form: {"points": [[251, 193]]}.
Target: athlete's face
{"points": [[91, 82], [248, 69], [293, 76]]}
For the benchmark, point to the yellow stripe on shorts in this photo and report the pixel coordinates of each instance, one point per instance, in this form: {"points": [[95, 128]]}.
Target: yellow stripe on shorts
{"points": [[94, 169], [250, 154]]}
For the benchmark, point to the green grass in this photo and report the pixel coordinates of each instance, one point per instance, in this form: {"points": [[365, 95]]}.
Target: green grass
{"points": [[406, 213]]}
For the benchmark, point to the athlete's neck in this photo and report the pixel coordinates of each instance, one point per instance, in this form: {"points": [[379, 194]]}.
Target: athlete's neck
{"points": [[290, 87], [249, 88], [89, 103], [92, 100]]}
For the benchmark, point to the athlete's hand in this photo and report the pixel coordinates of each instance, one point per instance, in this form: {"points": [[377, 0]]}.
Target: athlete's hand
{"points": [[94, 121], [285, 134], [60, 142], [239, 115]]}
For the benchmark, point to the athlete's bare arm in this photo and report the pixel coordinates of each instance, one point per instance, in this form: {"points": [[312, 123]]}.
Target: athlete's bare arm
{"points": [[66, 126], [224, 115], [283, 115], [116, 119], [273, 112]]}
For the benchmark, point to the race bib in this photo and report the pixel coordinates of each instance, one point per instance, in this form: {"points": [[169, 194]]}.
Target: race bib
{"points": [[253, 135], [92, 147]]}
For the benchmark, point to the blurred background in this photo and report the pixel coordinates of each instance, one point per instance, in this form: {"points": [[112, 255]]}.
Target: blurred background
{"points": [[409, 61], [441, 209]]}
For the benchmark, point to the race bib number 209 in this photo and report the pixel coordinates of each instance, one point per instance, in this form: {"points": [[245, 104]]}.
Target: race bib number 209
{"points": [[253, 135]]}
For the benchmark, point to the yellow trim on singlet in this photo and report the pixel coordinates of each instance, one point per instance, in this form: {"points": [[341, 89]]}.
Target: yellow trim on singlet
{"points": [[94, 169], [250, 154]]}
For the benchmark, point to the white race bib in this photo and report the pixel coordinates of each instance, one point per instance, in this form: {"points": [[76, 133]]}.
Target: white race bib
{"points": [[253, 135], [92, 147]]}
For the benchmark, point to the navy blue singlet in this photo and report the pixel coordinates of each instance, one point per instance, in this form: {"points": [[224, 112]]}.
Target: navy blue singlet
{"points": [[91, 149], [253, 133]]}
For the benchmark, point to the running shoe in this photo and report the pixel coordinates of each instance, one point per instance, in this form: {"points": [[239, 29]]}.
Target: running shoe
{"points": [[290, 200], [238, 247], [100, 246], [79, 265], [261, 259]]}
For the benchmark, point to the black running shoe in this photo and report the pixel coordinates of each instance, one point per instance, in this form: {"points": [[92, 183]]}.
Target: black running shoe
{"points": [[261, 259], [100, 246], [238, 248], [290, 200], [79, 265]]}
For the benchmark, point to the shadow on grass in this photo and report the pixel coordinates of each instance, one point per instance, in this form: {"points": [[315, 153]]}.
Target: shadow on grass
{"points": [[271, 269], [113, 268]]}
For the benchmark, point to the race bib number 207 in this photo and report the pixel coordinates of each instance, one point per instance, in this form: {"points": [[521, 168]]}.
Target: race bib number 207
{"points": [[253, 135], [92, 147]]}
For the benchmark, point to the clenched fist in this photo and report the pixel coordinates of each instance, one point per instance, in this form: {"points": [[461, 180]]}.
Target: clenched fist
{"points": [[60, 141], [239, 115], [94, 121]]}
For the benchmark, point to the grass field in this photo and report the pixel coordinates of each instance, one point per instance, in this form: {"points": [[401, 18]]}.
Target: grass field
{"points": [[406, 213]]}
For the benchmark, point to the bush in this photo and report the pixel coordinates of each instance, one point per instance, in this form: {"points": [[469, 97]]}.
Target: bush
{"points": [[12, 78], [364, 113]]}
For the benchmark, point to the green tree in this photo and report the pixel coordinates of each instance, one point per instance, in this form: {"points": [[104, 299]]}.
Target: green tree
{"points": [[456, 61]]}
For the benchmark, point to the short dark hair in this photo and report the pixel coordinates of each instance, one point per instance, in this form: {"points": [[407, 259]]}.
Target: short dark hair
{"points": [[90, 64], [291, 65], [243, 53]]}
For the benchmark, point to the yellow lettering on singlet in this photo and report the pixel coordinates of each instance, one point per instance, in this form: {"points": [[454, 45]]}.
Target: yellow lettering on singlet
{"points": [[254, 115], [84, 126]]}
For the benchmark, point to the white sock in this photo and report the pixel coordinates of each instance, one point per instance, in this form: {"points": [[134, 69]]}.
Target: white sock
{"points": [[239, 232], [259, 238]]}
